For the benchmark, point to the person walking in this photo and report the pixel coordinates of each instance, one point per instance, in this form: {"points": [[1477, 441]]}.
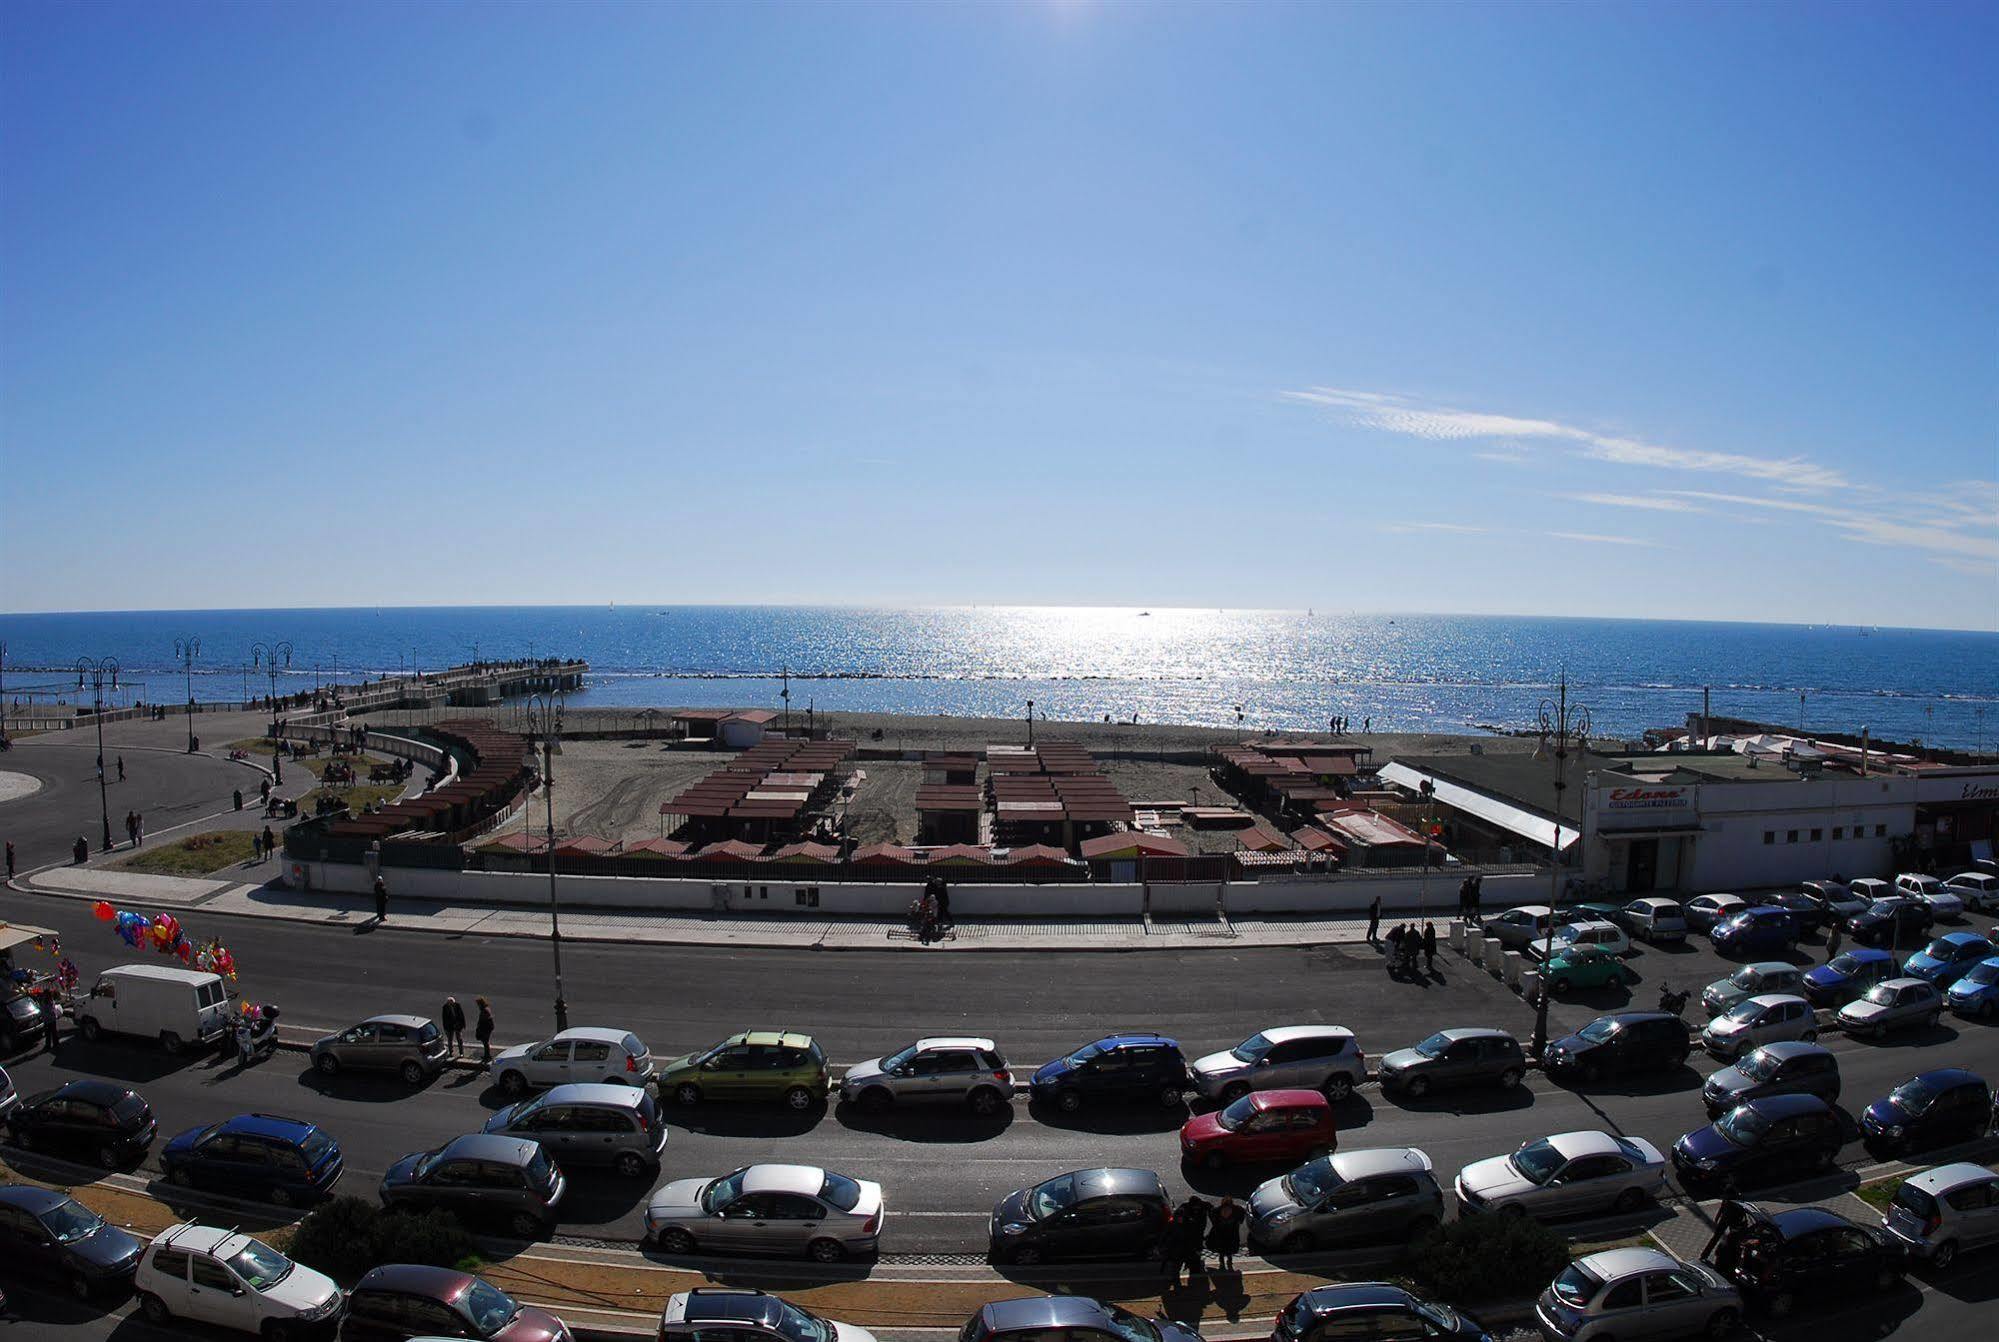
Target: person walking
{"points": [[381, 900], [51, 1020], [270, 842], [121, 768], [1430, 947], [453, 1020], [131, 829], [10, 859], [238, 796], [1831, 935], [483, 1029], [1225, 1233], [1395, 935], [80, 851], [1374, 922]]}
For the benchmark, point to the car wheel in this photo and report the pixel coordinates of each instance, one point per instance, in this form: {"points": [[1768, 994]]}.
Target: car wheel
{"points": [[687, 1093], [178, 1176], [513, 1083], [1630, 1200], [1214, 1160], [171, 1042], [875, 1099], [412, 1071], [1512, 1209], [1509, 1078], [1299, 1241], [1887, 1279], [279, 1330], [526, 1225], [1930, 1021], [676, 1241], [155, 1309], [1339, 1087], [327, 1064], [1558, 984], [1985, 1009], [1722, 1323], [826, 1250], [1169, 1097], [1068, 1101], [985, 1101], [281, 1196], [79, 1287], [1234, 1091], [107, 1158], [1944, 1255], [798, 1099], [1811, 1036], [631, 1164], [91, 1029], [1416, 1087]]}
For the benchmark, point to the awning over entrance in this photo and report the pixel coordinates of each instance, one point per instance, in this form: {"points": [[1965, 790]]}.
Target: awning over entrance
{"points": [[1661, 832], [1503, 814]]}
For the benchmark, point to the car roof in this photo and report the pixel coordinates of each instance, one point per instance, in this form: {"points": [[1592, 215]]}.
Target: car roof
{"points": [[1946, 1076], [104, 1094], [1535, 909], [1355, 1295], [594, 1033], [267, 1125], [1135, 1037], [1945, 1178], [1590, 924], [1100, 1183], [1789, 1106], [594, 1092], [806, 1179], [201, 1239], [1045, 1311], [1719, 896], [958, 1041], [439, 1283], [1964, 938], [1903, 981], [1791, 1048], [1587, 1142], [1774, 999], [166, 973], [1918, 877], [1612, 1264], [409, 1022], [490, 1146], [1770, 967], [1869, 955], [773, 1039], [31, 1199], [1284, 1034], [1633, 1017], [1352, 1165], [1287, 1099], [730, 1304], [1458, 1032], [1804, 1220]]}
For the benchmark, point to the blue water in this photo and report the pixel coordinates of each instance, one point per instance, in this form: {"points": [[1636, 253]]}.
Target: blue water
{"points": [[1286, 669]]}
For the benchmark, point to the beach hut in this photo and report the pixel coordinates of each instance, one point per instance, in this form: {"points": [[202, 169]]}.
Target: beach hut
{"points": [[807, 852], [1260, 838], [656, 850], [1131, 843], [887, 855], [730, 850], [961, 855]]}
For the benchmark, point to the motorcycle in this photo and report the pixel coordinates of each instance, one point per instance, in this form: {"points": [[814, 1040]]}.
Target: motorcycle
{"points": [[1673, 1002], [253, 1040]]}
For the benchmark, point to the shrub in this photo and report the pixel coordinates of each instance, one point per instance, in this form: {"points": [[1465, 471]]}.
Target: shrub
{"points": [[346, 1237], [1488, 1257]]}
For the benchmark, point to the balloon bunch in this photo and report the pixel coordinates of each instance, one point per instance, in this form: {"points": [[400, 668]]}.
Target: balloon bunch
{"points": [[163, 933], [66, 971]]}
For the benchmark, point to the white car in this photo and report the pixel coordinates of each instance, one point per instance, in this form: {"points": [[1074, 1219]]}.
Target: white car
{"points": [[1892, 1004], [1979, 890], [1943, 901], [1704, 911], [1767, 1018], [230, 1280], [1567, 1173], [1607, 937], [1871, 889], [583, 1054]]}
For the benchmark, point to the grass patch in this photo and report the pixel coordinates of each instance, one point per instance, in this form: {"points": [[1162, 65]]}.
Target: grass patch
{"points": [[251, 745], [1879, 1195], [196, 855]]}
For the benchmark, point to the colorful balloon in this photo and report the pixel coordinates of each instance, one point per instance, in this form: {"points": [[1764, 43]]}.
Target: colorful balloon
{"points": [[103, 912]]}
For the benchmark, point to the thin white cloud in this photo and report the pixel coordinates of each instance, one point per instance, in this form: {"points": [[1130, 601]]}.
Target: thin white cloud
{"points": [[1591, 538], [1649, 502], [1929, 533], [1395, 414], [1456, 528]]}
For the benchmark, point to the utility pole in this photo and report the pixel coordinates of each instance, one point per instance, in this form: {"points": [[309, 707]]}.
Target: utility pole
{"points": [[185, 651], [544, 714], [1557, 725], [98, 670], [1030, 724]]}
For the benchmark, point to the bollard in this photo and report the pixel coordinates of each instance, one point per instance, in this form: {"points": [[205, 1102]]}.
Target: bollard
{"points": [[1457, 934], [1474, 947], [1495, 956], [1530, 983], [1512, 968]]}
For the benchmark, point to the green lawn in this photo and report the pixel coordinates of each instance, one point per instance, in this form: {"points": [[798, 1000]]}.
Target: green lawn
{"points": [[196, 855], [1878, 1196]]}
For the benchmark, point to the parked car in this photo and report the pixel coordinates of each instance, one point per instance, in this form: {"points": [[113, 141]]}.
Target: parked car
{"points": [[1949, 958], [1816, 1253], [1637, 1293], [1704, 911], [1514, 928], [287, 1161], [1072, 1318], [1808, 913], [1140, 1068], [1083, 1214], [949, 1070], [784, 1209], [1593, 911], [404, 1301], [1603, 936], [589, 1124], [1976, 994], [1870, 888], [1573, 967], [1264, 1126], [1978, 889], [48, 1236], [20, 1019], [507, 1180], [1322, 1057], [1848, 975], [1754, 1021], [1752, 980], [1892, 1004], [1943, 902], [225, 1279], [9, 1098], [1476, 1056], [181, 1009], [410, 1046], [1758, 931], [1932, 1109], [1565, 1174], [1785, 1134], [1787, 1068], [743, 1314], [756, 1065], [585, 1053], [100, 1119], [1836, 899], [1656, 919], [1625, 1041], [1896, 921], [1387, 1195], [1939, 1212], [1370, 1309]]}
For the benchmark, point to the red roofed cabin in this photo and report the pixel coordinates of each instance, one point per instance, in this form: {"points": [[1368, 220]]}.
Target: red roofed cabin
{"points": [[1374, 840]]}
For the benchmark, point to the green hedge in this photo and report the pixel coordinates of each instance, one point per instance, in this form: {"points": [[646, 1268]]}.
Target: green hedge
{"points": [[1488, 1257], [346, 1237]]}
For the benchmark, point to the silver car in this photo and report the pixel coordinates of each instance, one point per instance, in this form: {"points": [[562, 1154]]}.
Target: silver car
{"points": [[967, 1071], [584, 1053], [1892, 1004], [1563, 1175], [1637, 1293], [1514, 928], [1755, 1021], [1386, 1196], [1765, 976], [590, 1124], [1940, 1211], [410, 1046], [1289, 1057], [743, 1314], [777, 1209]]}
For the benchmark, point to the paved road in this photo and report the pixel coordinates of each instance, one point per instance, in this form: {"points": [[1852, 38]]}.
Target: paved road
{"points": [[165, 786]]}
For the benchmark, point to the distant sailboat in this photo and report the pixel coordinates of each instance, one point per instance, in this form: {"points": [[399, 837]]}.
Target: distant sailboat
{"points": [[1144, 613]]}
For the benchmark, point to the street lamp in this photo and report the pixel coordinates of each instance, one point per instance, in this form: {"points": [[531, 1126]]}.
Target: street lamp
{"points": [[266, 655], [1030, 724], [1429, 791], [185, 651], [1238, 724], [1558, 722], [544, 717], [99, 670]]}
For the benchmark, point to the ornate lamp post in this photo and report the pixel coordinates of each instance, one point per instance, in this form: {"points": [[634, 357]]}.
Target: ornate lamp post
{"points": [[266, 655], [1559, 721], [544, 717], [98, 670], [185, 651]]}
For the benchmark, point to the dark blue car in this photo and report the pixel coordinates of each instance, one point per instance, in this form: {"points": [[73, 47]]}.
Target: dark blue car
{"points": [[1117, 1069], [1760, 1140], [1848, 976], [1936, 1108], [1758, 931], [284, 1160], [48, 1236]]}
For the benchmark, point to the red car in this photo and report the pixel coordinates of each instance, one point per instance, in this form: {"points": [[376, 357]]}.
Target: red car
{"points": [[1263, 1126]]}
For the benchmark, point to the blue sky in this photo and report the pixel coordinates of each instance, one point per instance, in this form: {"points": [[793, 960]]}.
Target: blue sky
{"points": [[1670, 310]]}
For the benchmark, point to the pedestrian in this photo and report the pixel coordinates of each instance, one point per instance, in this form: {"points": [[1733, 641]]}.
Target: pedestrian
{"points": [[1430, 947], [10, 859], [132, 828], [1374, 922], [256, 846], [483, 1030], [1225, 1233], [238, 796], [1478, 898], [1194, 1214], [453, 1019], [264, 790], [51, 1020], [1395, 935], [1170, 1239], [381, 900], [121, 768], [270, 842], [80, 851], [1831, 933]]}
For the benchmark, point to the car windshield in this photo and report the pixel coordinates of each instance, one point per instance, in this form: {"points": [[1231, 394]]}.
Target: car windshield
{"points": [[1744, 1011], [1884, 906], [838, 1190], [1085, 1053], [1311, 1181], [129, 1109], [1881, 994], [1847, 965], [1054, 1196], [1943, 948], [1434, 1046], [1742, 1125], [723, 1191], [1598, 1030], [1576, 1286], [898, 1059], [1537, 1162], [259, 1265], [525, 1110], [1250, 1049], [69, 1221], [1760, 1065], [1129, 1326], [1236, 1114], [798, 1326], [1915, 1095], [1746, 978], [488, 1307], [315, 1145], [1985, 971], [540, 1169]]}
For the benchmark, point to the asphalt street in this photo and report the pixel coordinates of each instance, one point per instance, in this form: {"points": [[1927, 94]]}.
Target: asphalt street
{"points": [[168, 787]]}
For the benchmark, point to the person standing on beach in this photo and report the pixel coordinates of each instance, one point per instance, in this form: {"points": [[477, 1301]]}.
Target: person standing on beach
{"points": [[453, 1020], [1374, 922], [483, 1030]]}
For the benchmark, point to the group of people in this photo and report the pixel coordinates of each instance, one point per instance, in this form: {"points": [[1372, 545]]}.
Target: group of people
{"points": [[1195, 1227], [1471, 890], [1342, 724], [1405, 941], [263, 845], [930, 914], [452, 1020], [1739, 1244]]}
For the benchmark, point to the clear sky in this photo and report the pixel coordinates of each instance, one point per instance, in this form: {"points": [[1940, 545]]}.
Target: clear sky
{"points": [[1670, 309]]}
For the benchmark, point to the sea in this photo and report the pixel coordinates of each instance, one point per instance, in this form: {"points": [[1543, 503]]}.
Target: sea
{"points": [[1282, 669]]}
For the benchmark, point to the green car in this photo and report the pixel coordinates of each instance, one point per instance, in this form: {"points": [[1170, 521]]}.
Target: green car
{"points": [[754, 1065], [1586, 967]]}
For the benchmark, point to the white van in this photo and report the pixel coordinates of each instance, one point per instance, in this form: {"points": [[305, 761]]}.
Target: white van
{"points": [[179, 1007]]}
